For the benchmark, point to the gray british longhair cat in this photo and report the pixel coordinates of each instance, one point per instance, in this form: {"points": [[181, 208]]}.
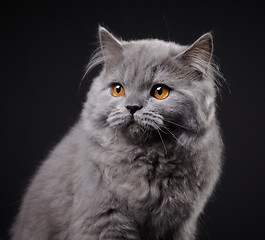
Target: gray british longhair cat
{"points": [[144, 156]]}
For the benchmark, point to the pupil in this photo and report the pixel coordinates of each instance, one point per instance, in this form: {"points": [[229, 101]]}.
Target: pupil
{"points": [[118, 89], [159, 90]]}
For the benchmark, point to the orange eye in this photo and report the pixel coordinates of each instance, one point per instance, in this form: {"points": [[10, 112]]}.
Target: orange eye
{"points": [[117, 90], [160, 92]]}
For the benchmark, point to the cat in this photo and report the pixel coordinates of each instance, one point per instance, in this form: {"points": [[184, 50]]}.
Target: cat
{"points": [[145, 155]]}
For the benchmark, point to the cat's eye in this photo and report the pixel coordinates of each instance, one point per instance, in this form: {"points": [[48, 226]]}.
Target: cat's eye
{"points": [[160, 92], [117, 90]]}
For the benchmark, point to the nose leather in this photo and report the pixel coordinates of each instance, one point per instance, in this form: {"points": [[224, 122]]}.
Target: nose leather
{"points": [[133, 108]]}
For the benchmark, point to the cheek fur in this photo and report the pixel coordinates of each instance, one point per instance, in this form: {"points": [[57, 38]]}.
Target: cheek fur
{"points": [[100, 104], [177, 112]]}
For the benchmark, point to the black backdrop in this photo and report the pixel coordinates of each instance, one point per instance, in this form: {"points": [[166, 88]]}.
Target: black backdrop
{"points": [[44, 49]]}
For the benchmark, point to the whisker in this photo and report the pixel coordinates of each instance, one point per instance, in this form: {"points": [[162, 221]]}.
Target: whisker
{"points": [[162, 141], [162, 130], [115, 134], [105, 124], [153, 114], [175, 124], [146, 135], [116, 118], [175, 138]]}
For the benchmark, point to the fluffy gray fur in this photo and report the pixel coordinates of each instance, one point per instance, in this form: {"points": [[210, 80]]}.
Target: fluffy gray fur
{"points": [[146, 175]]}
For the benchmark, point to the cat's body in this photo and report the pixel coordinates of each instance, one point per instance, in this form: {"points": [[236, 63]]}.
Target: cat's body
{"points": [[134, 166]]}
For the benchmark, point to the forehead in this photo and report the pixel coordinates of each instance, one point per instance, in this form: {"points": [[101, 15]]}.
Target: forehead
{"points": [[146, 53], [146, 60]]}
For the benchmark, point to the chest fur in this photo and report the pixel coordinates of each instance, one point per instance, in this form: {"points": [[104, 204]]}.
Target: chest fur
{"points": [[153, 184]]}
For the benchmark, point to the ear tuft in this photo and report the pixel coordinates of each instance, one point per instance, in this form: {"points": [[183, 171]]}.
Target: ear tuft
{"points": [[205, 46], [199, 54], [109, 44]]}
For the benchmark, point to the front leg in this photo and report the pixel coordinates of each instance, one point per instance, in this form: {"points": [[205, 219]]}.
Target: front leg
{"points": [[108, 225], [114, 225], [187, 230]]}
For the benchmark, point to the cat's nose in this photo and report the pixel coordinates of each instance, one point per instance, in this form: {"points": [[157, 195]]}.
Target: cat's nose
{"points": [[133, 108]]}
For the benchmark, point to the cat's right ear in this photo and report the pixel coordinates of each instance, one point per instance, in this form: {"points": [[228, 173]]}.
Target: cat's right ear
{"points": [[111, 47], [199, 54]]}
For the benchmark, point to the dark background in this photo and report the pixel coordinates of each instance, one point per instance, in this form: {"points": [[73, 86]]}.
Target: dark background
{"points": [[44, 49]]}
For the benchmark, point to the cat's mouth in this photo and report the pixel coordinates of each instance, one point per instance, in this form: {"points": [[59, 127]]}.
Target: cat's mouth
{"points": [[135, 131], [134, 125], [137, 127]]}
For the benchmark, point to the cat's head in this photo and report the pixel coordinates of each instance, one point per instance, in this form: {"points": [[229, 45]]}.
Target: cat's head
{"points": [[149, 88]]}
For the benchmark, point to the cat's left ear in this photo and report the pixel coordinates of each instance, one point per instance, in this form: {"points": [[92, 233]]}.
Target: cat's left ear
{"points": [[199, 54], [111, 47]]}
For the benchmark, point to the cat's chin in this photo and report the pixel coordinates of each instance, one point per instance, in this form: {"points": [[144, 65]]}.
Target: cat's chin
{"points": [[137, 133]]}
